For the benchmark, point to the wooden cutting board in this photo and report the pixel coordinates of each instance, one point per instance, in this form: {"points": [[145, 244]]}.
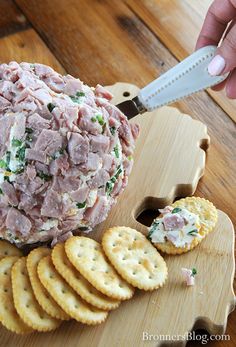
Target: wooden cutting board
{"points": [[169, 161]]}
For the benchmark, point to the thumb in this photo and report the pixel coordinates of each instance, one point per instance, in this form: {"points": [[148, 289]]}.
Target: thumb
{"points": [[225, 58]]}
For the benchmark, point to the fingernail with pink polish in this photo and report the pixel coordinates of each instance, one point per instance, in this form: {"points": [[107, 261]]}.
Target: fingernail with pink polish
{"points": [[216, 66]]}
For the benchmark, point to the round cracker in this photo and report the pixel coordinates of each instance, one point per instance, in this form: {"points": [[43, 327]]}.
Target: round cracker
{"points": [[44, 299], [8, 250], [89, 259], [208, 216], [134, 258], [25, 302], [78, 282], [66, 297], [8, 315]]}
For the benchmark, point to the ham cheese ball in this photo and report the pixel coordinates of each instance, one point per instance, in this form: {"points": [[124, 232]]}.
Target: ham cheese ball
{"points": [[183, 225], [65, 154]]}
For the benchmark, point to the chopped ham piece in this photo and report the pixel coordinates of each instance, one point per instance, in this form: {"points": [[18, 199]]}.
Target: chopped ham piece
{"points": [[65, 184], [63, 154], [52, 205], [72, 85], [102, 92], [99, 179], [165, 210], [37, 123], [31, 172], [173, 221], [4, 104], [17, 222], [80, 195], [92, 163], [37, 155], [6, 122], [9, 190], [188, 276], [94, 215], [49, 141], [78, 148], [6, 89], [59, 165], [99, 143]]}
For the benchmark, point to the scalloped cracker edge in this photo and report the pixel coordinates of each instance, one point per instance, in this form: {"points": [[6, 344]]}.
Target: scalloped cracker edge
{"points": [[44, 299], [8, 314], [25, 302], [89, 259], [78, 282], [8, 250], [208, 216], [134, 258], [66, 297]]}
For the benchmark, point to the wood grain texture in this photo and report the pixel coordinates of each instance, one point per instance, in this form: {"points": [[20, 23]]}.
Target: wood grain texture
{"points": [[27, 46], [177, 23], [11, 18], [122, 45]]}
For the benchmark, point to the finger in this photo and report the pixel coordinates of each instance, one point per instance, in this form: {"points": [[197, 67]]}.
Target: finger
{"points": [[227, 51], [219, 14], [231, 85], [219, 86]]}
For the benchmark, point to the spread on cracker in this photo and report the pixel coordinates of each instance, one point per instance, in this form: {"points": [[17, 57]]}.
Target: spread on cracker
{"points": [[183, 225], [178, 225]]}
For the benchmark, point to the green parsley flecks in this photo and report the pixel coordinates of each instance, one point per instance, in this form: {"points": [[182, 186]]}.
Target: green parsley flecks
{"points": [[193, 232], [113, 130], [3, 164], [78, 97], [16, 142], [79, 94], [50, 106], [176, 210], [116, 151], [153, 229], [44, 176], [81, 204], [20, 154], [100, 119], [111, 183]]}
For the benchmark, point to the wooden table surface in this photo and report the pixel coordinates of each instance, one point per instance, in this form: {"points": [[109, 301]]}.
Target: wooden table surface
{"points": [[105, 41]]}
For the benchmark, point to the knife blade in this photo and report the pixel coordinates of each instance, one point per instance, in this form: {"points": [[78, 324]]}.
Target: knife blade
{"points": [[188, 77]]}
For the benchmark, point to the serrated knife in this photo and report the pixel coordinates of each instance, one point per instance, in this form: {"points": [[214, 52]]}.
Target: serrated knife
{"points": [[188, 77]]}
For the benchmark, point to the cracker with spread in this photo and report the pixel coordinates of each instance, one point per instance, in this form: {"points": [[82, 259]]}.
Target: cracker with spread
{"points": [[183, 225]]}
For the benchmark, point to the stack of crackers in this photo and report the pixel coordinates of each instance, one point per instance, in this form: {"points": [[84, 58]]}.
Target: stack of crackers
{"points": [[79, 279]]}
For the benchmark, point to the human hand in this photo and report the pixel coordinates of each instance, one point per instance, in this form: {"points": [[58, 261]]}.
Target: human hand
{"points": [[220, 23]]}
